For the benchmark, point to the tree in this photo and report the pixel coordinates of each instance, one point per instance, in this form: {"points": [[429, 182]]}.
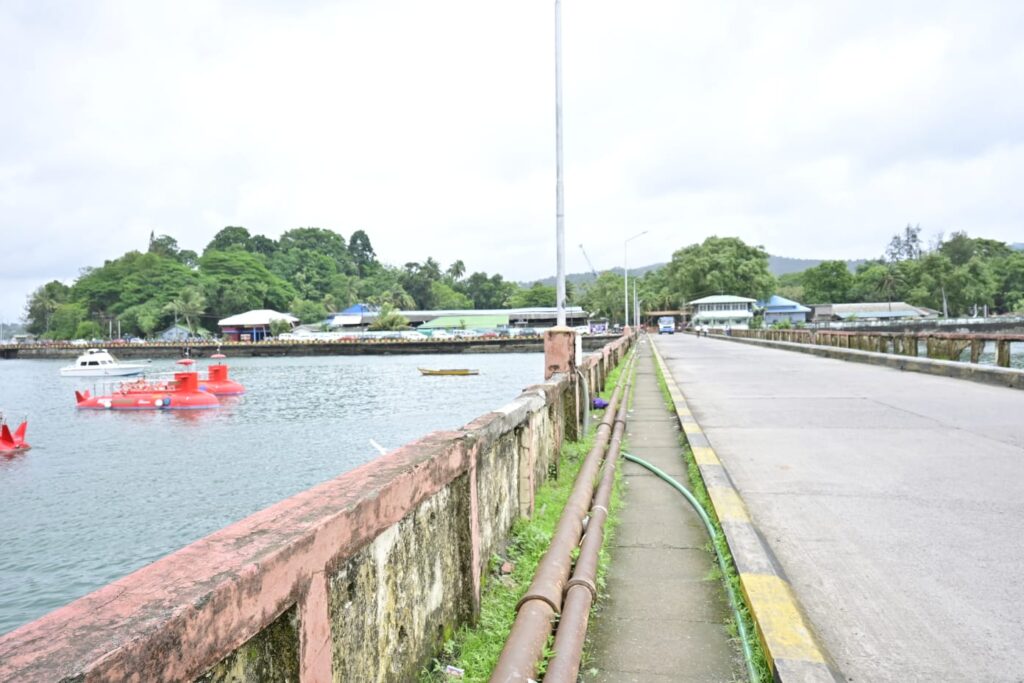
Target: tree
{"points": [[721, 265], [829, 282], [790, 286], [535, 296], [308, 311], [229, 238], [189, 304], [41, 304], [604, 297], [235, 281], [446, 298], [456, 270], [905, 246], [389, 319], [361, 251], [65, 320], [487, 292]]}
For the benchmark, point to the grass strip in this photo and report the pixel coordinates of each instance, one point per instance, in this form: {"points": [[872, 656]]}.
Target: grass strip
{"points": [[475, 650], [700, 492]]}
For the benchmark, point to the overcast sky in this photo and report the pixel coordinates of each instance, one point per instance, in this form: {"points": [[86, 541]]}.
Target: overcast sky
{"points": [[816, 129]]}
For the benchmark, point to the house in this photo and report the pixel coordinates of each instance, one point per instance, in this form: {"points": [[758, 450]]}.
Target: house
{"points": [[252, 325], [723, 310], [778, 309]]}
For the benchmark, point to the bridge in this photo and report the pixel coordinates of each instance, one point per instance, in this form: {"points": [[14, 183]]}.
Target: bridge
{"points": [[892, 501]]}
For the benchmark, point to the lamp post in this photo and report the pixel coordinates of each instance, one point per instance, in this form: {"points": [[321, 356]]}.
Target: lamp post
{"points": [[625, 272], [559, 200]]}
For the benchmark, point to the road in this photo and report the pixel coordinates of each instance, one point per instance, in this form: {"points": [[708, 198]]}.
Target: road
{"points": [[894, 502]]}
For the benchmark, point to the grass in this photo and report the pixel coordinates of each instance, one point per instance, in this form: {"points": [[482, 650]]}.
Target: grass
{"points": [[475, 650], [700, 492]]}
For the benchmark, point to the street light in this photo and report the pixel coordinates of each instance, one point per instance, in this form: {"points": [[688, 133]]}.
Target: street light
{"points": [[625, 272], [559, 201]]}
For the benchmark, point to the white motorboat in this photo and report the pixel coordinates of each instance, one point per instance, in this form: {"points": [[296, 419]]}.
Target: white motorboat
{"points": [[99, 363]]}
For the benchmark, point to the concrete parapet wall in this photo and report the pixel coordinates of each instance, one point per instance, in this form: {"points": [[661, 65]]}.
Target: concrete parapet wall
{"points": [[987, 374], [359, 578]]}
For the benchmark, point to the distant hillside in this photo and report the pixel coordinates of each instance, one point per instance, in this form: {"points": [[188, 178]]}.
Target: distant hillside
{"points": [[777, 265], [1017, 246], [781, 265]]}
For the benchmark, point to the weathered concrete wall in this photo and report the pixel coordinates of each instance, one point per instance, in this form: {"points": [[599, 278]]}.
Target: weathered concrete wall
{"points": [[359, 578]]}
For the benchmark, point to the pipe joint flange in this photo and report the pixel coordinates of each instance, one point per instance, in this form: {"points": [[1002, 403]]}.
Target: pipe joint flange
{"points": [[586, 583], [596, 508], [557, 609]]}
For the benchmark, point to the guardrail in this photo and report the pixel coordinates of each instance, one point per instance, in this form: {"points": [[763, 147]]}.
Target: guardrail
{"points": [[936, 345]]}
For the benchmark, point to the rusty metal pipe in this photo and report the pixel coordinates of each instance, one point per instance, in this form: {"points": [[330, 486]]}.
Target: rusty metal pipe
{"points": [[581, 591], [529, 633]]}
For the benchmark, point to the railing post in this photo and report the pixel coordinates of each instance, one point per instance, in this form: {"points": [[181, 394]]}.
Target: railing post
{"points": [[976, 347], [1003, 353]]}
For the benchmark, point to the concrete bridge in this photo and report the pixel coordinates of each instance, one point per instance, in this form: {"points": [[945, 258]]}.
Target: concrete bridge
{"points": [[892, 501]]}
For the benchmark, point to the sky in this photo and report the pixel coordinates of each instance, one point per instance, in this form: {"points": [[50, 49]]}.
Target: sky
{"points": [[814, 129]]}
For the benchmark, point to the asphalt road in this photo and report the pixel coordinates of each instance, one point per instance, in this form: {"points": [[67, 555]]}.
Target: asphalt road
{"points": [[894, 502]]}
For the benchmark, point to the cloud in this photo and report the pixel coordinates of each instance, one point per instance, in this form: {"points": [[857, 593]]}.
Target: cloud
{"points": [[815, 129]]}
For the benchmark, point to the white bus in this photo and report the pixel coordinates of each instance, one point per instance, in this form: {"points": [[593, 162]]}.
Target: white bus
{"points": [[666, 325]]}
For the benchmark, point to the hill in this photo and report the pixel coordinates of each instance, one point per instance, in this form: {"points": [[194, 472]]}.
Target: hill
{"points": [[777, 265]]}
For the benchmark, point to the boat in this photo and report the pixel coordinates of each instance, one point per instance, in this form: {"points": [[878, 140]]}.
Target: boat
{"points": [[448, 371], [181, 393], [100, 363], [13, 442], [217, 381]]}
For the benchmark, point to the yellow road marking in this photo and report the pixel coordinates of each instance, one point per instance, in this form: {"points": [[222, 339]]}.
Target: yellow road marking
{"points": [[705, 455], [728, 505], [779, 619]]}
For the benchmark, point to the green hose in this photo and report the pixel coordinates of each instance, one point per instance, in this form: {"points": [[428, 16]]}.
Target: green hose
{"points": [[748, 654]]}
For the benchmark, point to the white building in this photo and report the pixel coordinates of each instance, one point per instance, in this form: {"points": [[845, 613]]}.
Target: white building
{"points": [[722, 311]]}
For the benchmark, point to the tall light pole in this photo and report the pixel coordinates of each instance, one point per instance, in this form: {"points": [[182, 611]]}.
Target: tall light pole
{"points": [[559, 200], [625, 272]]}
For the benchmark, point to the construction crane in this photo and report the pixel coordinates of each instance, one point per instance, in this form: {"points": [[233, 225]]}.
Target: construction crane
{"points": [[592, 269]]}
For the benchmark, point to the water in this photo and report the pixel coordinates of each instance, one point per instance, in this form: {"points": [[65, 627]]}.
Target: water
{"points": [[101, 494]]}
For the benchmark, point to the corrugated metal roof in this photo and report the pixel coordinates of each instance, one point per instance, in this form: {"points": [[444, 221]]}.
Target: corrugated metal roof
{"points": [[467, 321], [723, 299]]}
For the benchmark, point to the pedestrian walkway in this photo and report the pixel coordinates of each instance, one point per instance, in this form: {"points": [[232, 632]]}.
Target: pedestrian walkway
{"points": [[663, 618]]}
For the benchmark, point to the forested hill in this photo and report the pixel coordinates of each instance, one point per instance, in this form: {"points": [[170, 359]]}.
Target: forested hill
{"points": [[777, 265]]}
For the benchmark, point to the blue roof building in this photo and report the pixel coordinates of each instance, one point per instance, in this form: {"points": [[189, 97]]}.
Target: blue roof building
{"points": [[778, 308]]}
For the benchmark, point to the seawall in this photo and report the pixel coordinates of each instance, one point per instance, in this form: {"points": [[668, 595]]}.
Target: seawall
{"points": [[360, 578]]}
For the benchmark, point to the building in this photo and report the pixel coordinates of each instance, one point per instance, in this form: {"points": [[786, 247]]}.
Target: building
{"points": [[882, 310], [177, 332], [723, 311], [360, 316], [778, 309], [252, 325]]}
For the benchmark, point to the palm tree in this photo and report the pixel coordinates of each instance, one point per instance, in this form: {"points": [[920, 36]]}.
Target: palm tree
{"points": [[456, 270], [190, 304], [389, 319]]}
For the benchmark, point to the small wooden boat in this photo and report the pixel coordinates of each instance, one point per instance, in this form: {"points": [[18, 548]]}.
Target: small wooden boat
{"points": [[449, 371]]}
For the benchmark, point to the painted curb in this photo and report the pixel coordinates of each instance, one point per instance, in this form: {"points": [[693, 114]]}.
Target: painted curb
{"points": [[793, 652], [984, 374]]}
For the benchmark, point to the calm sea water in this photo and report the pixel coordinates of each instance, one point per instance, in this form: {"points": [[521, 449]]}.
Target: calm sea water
{"points": [[101, 494]]}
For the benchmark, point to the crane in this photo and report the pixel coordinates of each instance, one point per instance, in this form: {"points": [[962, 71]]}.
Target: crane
{"points": [[592, 269]]}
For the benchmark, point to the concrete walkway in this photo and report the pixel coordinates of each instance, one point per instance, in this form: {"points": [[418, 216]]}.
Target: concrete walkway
{"points": [[663, 619]]}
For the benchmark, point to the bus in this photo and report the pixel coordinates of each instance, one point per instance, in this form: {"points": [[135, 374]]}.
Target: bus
{"points": [[666, 325]]}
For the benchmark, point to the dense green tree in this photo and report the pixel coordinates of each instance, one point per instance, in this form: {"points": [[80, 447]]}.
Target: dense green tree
{"points": [[65, 320], [236, 281], [229, 238], [721, 265], [960, 248], [456, 270], [487, 292], [42, 303], [315, 241], [88, 329], [361, 251], [308, 311], [536, 295], [790, 286], [657, 291], [605, 297], [446, 299], [829, 282]]}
